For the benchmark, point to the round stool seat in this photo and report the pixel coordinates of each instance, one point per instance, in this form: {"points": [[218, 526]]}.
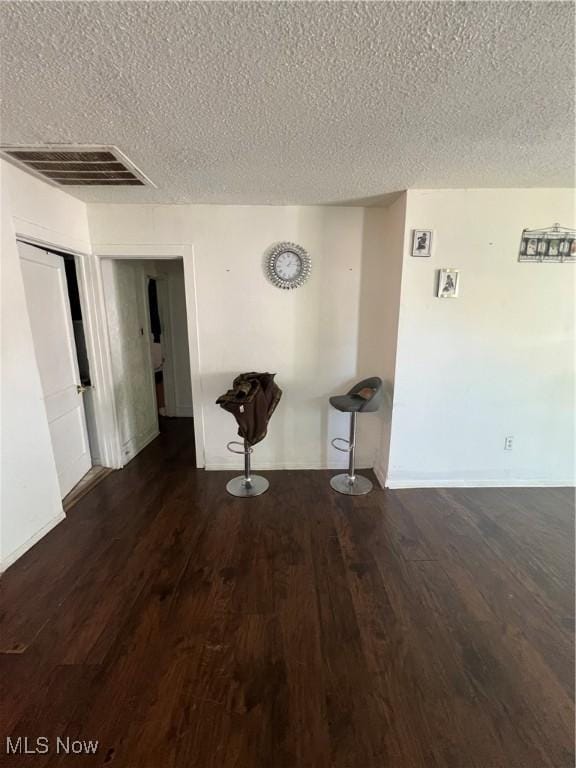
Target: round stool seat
{"points": [[347, 403], [353, 402]]}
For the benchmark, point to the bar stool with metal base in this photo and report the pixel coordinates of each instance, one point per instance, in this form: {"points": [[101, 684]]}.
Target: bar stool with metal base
{"points": [[247, 484], [364, 397], [252, 400]]}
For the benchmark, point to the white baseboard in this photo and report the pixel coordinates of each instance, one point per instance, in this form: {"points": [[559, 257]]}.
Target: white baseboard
{"points": [[475, 483], [17, 553], [133, 447], [380, 476]]}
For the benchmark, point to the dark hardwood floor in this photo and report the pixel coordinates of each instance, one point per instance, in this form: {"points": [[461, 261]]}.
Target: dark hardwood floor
{"points": [[181, 627]]}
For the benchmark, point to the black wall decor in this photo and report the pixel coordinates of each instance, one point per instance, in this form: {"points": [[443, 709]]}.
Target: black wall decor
{"points": [[553, 243]]}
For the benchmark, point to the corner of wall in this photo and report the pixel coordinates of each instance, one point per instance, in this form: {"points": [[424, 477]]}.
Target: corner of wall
{"points": [[389, 290]]}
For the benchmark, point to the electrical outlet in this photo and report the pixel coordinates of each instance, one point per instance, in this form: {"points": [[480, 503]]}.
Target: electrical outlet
{"points": [[508, 443]]}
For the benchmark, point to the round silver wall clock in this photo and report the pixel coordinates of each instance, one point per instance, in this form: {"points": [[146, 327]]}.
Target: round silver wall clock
{"points": [[288, 265]]}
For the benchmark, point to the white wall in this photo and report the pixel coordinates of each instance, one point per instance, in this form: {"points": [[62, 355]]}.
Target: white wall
{"points": [[124, 287], [309, 337], [497, 361], [379, 308], [30, 496]]}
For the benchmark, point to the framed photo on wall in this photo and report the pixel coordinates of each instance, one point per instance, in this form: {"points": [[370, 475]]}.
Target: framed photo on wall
{"points": [[448, 283], [421, 242]]}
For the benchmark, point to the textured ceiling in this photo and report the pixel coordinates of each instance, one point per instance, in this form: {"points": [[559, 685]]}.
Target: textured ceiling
{"points": [[297, 102]]}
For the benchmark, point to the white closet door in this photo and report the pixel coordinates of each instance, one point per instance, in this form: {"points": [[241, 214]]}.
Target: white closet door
{"points": [[51, 322]]}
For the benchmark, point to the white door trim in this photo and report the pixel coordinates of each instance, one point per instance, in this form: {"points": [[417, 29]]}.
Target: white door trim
{"points": [[105, 415], [103, 363], [89, 274], [91, 292]]}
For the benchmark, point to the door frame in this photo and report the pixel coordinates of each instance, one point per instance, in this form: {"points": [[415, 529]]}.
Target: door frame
{"points": [[103, 367], [97, 348], [92, 302], [81, 260]]}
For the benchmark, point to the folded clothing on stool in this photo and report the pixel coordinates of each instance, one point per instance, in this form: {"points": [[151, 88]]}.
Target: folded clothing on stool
{"points": [[252, 401]]}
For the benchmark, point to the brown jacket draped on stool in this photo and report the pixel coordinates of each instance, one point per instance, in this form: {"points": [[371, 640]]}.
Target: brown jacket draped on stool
{"points": [[252, 400]]}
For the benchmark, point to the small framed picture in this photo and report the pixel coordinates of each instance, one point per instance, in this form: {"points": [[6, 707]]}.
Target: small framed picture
{"points": [[531, 246], [421, 242], [448, 280]]}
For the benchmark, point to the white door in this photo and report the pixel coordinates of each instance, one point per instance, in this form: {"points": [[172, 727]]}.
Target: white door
{"points": [[51, 321]]}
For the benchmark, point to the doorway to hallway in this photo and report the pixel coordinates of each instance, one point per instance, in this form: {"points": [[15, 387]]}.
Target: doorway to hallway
{"points": [[145, 304], [81, 415]]}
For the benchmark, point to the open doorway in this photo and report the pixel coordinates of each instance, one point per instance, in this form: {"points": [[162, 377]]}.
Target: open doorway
{"points": [[145, 305]]}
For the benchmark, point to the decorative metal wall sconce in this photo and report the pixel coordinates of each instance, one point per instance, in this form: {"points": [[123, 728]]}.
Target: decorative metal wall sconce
{"points": [[554, 243]]}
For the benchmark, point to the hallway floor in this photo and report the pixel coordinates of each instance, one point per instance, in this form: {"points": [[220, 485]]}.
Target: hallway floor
{"points": [[183, 628]]}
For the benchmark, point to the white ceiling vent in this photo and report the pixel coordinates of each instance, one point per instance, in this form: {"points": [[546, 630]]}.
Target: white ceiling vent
{"points": [[73, 165]]}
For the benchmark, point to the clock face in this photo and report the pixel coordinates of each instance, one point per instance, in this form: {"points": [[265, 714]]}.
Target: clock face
{"points": [[287, 265]]}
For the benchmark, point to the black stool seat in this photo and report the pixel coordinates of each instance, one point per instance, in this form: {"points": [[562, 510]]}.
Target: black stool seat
{"points": [[352, 402]]}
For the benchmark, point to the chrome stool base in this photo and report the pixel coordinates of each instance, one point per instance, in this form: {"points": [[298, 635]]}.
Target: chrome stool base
{"points": [[246, 487], [359, 486], [350, 484]]}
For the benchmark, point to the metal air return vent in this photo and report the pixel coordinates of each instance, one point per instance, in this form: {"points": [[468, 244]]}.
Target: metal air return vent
{"points": [[72, 165]]}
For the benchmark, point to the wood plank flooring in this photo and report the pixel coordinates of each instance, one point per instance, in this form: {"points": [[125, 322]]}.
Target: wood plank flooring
{"points": [[86, 484], [184, 628]]}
